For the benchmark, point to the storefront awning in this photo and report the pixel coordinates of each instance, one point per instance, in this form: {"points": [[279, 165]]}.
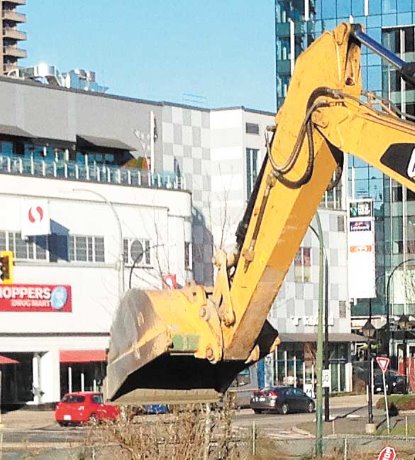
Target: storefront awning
{"points": [[334, 337], [9, 130], [7, 360], [101, 142], [82, 356]]}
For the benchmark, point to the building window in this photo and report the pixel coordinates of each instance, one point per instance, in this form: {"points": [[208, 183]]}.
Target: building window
{"points": [[137, 251], [251, 128], [54, 247], [86, 248], [187, 256], [302, 265], [251, 170], [32, 248]]}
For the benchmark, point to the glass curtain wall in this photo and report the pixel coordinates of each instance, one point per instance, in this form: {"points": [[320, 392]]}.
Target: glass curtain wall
{"points": [[391, 22]]}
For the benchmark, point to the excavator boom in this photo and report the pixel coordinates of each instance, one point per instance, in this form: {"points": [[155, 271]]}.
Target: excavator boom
{"points": [[189, 344]]}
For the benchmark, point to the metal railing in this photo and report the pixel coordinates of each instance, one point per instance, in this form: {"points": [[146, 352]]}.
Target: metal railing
{"points": [[90, 173]]}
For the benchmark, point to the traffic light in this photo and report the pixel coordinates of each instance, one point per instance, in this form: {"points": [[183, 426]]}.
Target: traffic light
{"points": [[6, 267]]}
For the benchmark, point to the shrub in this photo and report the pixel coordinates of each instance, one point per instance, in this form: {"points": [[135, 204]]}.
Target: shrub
{"points": [[401, 402]]}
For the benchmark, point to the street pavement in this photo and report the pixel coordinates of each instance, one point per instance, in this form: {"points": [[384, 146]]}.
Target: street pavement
{"points": [[33, 429], [24, 419]]}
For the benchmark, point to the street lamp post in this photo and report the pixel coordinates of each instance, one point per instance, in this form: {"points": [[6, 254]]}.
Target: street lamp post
{"points": [[369, 332], [120, 263], [403, 323]]}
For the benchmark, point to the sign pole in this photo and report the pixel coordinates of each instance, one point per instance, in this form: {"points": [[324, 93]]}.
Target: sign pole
{"points": [[386, 401]]}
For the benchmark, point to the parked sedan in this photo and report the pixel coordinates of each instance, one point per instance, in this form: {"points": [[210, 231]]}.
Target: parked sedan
{"points": [[282, 400], [395, 383], [82, 407]]}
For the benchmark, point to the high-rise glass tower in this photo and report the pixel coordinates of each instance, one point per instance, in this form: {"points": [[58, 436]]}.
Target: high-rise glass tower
{"points": [[391, 22]]}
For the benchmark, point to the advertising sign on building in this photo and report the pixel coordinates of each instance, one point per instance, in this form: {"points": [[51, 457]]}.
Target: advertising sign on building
{"points": [[361, 249], [35, 298], [35, 218]]}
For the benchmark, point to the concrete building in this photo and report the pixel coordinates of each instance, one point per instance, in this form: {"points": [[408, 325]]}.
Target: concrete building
{"points": [[11, 36]]}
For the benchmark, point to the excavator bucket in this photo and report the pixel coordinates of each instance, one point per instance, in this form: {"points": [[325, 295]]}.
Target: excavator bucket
{"points": [[166, 348], [155, 339]]}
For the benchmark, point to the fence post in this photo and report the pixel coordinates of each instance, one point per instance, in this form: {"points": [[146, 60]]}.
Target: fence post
{"points": [[253, 438], [207, 433], [345, 449]]}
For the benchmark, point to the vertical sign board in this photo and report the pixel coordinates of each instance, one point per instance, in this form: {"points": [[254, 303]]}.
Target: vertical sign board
{"points": [[361, 249], [383, 363]]}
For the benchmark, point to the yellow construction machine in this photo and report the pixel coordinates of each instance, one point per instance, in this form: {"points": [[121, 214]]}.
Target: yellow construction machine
{"points": [[189, 344]]}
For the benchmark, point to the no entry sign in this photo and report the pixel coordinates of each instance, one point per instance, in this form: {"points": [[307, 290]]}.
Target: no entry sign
{"points": [[387, 453]]}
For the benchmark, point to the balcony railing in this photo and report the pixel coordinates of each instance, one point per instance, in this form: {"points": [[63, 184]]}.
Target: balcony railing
{"points": [[8, 68], [17, 2], [14, 34], [93, 173], [14, 51], [11, 15]]}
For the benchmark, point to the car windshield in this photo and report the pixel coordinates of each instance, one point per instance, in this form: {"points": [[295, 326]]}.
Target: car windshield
{"points": [[98, 399], [73, 399]]}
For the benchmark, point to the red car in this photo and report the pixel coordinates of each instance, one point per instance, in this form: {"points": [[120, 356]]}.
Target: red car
{"points": [[84, 406]]}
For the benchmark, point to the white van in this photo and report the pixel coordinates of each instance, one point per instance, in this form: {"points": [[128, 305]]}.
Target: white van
{"points": [[244, 384]]}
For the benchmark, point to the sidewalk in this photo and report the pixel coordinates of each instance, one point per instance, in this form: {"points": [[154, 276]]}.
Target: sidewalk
{"points": [[352, 400], [23, 419]]}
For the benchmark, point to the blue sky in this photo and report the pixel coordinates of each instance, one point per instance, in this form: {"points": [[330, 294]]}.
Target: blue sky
{"points": [[219, 50]]}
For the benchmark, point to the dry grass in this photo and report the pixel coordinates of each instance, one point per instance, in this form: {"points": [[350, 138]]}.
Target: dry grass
{"points": [[186, 433]]}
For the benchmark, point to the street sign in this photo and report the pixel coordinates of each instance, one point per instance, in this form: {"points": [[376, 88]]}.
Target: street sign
{"points": [[326, 378], [387, 453], [383, 362]]}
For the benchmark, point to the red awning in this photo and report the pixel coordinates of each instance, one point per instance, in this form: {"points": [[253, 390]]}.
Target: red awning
{"points": [[7, 360], [82, 356]]}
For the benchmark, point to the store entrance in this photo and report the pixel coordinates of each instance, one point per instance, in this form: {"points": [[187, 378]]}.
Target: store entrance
{"points": [[16, 382], [82, 377]]}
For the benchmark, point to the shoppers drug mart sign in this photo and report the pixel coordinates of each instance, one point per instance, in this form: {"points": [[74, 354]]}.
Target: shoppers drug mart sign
{"points": [[35, 297]]}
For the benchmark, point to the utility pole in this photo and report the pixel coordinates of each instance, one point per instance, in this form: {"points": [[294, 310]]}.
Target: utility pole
{"points": [[319, 355]]}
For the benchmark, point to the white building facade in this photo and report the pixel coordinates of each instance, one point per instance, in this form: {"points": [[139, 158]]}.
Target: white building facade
{"points": [[126, 183]]}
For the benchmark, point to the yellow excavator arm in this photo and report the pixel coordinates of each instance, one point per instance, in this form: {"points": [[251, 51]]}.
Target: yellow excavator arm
{"points": [[189, 344]]}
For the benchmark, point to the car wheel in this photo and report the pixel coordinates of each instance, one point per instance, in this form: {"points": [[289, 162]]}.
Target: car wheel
{"points": [[62, 424], [257, 411], [310, 407], [284, 409]]}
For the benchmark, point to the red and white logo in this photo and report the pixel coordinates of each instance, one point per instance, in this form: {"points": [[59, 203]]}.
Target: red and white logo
{"points": [[35, 218], [169, 281], [387, 453], [383, 362], [35, 214]]}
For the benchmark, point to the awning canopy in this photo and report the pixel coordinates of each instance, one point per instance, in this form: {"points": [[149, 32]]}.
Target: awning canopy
{"points": [[82, 356], [101, 142], [333, 337], [7, 360], [8, 130]]}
